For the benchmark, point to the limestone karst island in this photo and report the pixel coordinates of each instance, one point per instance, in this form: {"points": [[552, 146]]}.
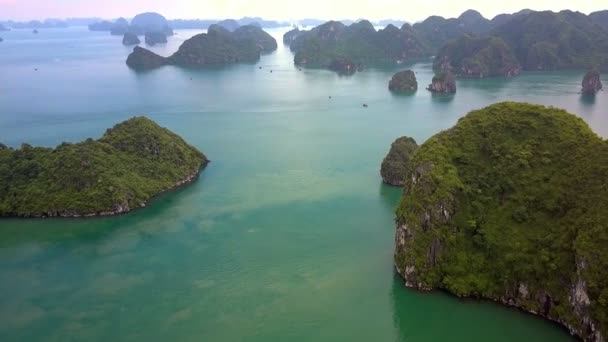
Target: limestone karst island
{"points": [[324, 171]]}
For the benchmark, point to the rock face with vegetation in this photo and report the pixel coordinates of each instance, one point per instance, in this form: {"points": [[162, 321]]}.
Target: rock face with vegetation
{"points": [[436, 31], [591, 82], [403, 82], [510, 205], [131, 163], [359, 43], [264, 42], [600, 18], [443, 82], [290, 36], [217, 47], [397, 161], [477, 58], [130, 38]]}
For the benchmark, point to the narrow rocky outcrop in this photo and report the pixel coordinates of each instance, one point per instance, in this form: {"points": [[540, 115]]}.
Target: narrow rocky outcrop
{"points": [[130, 38], [444, 82], [403, 82], [591, 82], [395, 164]]}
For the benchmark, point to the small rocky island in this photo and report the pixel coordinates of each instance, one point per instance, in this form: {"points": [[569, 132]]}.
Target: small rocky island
{"points": [[130, 38], [395, 164], [217, 47], [498, 208], [403, 82], [592, 83], [470, 57], [443, 82], [131, 163], [153, 38]]}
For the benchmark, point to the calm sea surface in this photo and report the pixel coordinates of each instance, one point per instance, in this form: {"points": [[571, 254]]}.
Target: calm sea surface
{"points": [[288, 234]]}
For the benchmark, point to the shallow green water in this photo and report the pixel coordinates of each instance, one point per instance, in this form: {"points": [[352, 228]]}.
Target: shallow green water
{"points": [[288, 235]]}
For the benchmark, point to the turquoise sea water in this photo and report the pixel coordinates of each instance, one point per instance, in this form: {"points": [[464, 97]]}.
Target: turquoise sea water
{"points": [[288, 234]]}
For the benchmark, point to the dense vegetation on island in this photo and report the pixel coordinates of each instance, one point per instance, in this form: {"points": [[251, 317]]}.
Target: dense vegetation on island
{"points": [[529, 40], [510, 204], [396, 163], [217, 47], [358, 43], [132, 162], [403, 82], [552, 41], [477, 58], [470, 45]]}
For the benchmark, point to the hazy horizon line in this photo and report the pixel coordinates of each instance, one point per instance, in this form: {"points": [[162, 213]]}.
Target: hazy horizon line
{"points": [[290, 20]]}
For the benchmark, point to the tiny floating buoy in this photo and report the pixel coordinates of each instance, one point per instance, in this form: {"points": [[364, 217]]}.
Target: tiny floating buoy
{"points": [[271, 71], [330, 96], [35, 69], [365, 105], [260, 68]]}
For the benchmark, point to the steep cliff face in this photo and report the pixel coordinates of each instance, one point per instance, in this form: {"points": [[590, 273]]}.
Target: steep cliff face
{"points": [[510, 205], [443, 82]]}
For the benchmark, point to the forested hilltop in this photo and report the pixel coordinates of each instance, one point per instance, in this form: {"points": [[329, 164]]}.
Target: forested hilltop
{"points": [[121, 171], [510, 204], [470, 45]]}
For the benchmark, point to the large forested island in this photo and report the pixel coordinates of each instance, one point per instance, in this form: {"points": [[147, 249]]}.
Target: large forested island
{"points": [[359, 43], [511, 205], [132, 162], [217, 47], [469, 46]]}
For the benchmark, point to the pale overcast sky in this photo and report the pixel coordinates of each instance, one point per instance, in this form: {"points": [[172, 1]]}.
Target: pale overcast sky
{"points": [[281, 9]]}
